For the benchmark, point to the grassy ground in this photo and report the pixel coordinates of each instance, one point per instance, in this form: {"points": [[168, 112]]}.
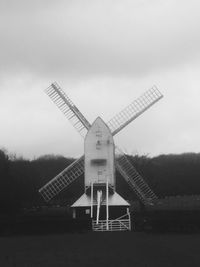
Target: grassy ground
{"points": [[101, 249]]}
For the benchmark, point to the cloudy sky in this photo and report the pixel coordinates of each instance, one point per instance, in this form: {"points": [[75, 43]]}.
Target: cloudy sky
{"points": [[104, 54]]}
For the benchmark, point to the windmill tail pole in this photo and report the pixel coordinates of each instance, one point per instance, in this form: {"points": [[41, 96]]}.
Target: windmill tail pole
{"points": [[99, 196]]}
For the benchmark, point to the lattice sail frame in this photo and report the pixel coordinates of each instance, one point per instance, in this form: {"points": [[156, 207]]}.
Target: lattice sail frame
{"points": [[62, 180], [136, 108], [73, 171], [64, 103], [133, 178]]}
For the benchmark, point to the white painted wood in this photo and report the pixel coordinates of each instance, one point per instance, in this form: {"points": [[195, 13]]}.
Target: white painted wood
{"points": [[99, 155], [99, 198], [107, 206], [92, 196], [122, 223]]}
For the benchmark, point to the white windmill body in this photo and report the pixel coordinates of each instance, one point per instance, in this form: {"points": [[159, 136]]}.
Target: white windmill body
{"points": [[99, 153], [100, 201], [100, 197]]}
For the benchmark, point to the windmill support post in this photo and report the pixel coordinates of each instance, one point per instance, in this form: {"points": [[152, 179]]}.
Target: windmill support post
{"points": [[107, 206], [92, 196]]}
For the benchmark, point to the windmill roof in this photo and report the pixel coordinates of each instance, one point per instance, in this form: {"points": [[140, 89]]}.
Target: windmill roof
{"points": [[113, 200]]}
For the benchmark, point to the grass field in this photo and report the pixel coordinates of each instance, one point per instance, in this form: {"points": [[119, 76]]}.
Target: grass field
{"points": [[101, 249]]}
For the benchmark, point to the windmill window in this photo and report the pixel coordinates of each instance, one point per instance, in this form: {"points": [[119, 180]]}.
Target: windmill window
{"points": [[99, 133], [98, 144], [87, 211], [100, 172], [99, 162]]}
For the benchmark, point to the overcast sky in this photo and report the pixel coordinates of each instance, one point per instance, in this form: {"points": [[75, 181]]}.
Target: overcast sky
{"points": [[104, 54]]}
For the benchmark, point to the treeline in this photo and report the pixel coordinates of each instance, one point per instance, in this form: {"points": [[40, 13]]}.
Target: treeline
{"points": [[20, 178]]}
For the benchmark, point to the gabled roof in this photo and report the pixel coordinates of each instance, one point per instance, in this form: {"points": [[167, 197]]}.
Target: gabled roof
{"points": [[113, 200]]}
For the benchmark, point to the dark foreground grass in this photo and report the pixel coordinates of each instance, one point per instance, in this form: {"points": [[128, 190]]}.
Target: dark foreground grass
{"points": [[101, 249]]}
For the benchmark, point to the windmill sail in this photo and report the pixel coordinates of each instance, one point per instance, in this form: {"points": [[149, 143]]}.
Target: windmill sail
{"points": [[135, 109], [72, 172], [62, 180], [63, 102], [134, 179]]}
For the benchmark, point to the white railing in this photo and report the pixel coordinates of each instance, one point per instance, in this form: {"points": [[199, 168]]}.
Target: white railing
{"points": [[118, 224]]}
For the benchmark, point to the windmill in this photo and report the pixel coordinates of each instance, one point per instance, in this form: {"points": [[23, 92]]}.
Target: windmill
{"points": [[108, 210]]}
